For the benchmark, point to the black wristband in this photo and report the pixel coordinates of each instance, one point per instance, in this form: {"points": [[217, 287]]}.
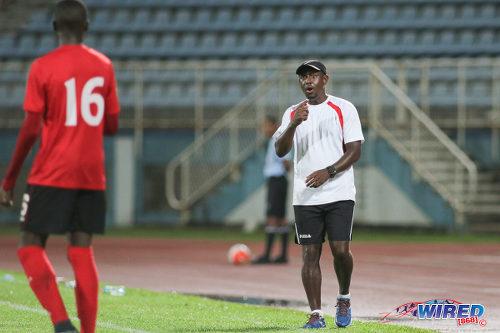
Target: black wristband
{"points": [[331, 171]]}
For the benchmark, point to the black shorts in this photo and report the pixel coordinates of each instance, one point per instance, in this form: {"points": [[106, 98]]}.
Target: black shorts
{"points": [[313, 222], [54, 210], [276, 196]]}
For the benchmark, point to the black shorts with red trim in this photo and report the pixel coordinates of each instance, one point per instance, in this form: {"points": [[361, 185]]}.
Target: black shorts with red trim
{"points": [[334, 219], [54, 210]]}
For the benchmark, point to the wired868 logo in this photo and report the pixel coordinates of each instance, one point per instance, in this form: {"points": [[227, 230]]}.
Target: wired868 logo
{"points": [[463, 313], [440, 309]]}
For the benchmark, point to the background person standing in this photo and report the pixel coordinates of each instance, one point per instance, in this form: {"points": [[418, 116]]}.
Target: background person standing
{"points": [[275, 170]]}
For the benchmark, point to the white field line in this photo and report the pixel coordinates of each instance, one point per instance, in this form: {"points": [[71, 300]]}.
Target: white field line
{"points": [[74, 319]]}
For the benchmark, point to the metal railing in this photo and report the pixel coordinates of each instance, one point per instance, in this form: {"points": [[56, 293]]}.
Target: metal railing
{"points": [[412, 134], [218, 152]]}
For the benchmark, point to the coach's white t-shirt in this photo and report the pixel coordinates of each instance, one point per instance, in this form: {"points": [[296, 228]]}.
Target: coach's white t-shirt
{"points": [[319, 142]]}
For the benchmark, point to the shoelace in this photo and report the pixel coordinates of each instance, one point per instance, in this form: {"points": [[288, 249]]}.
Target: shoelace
{"points": [[313, 318], [343, 305]]}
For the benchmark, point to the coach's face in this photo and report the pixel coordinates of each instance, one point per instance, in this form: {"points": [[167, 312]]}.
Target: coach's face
{"points": [[313, 84]]}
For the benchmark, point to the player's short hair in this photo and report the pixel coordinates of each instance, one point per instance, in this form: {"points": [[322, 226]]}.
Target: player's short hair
{"points": [[271, 119], [70, 15]]}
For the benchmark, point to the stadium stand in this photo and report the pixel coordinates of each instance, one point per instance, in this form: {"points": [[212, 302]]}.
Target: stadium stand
{"points": [[408, 39]]}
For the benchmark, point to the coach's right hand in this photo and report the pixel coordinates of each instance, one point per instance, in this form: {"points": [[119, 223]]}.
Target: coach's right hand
{"points": [[6, 197], [301, 113]]}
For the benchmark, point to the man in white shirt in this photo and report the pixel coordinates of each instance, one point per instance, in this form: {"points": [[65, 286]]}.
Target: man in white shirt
{"points": [[327, 136]]}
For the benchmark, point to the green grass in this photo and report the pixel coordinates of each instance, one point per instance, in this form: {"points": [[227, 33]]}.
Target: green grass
{"points": [[148, 311], [235, 234]]}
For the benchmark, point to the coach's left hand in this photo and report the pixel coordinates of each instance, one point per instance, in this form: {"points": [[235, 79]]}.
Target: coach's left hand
{"points": [[317, 178], [6, 197]]}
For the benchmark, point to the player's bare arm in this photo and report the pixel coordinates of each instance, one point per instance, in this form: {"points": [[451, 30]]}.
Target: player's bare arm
{"points": [[27, 138], [284, 143], [351, 156]]}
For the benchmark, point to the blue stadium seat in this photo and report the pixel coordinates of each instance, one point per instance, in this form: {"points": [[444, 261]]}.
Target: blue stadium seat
{"points": [[108, 45], [467, 11], [47, 43], [7, 46], [40, 20], [328, 14], [120, 20], [349, 13], [127, 46], [167, 43], [100, 20], [371, 12], [285, 16], [408, 12], [126, 95], [489, 11], [147, 45], [27, 46], [154, 95], [244, 17], [182, 18], [91, 40], [203, 18], [141, 20], [228, 42], [161, 19], [448, 12]]}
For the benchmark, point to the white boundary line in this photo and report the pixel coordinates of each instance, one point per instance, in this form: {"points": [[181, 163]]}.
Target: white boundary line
{"points": [[74, 319]]}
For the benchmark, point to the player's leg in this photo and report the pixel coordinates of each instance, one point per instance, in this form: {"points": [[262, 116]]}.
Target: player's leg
{"points": [[310, 234], [271, 223], [88, 218], [283, 231], [37, 222], [311, 274], [339, 219], [343, 264], [81, 257], [282, 227]]}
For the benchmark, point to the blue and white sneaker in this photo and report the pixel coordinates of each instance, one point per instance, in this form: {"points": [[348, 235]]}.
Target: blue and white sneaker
{"points": [[315, 321], [343, 316]]}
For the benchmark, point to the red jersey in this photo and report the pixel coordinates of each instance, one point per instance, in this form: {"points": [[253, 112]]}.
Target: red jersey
{"points": [[73, 86]]}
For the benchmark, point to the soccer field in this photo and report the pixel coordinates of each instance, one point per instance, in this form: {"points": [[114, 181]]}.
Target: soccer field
{"points": [[391, 269], [146, 311]]}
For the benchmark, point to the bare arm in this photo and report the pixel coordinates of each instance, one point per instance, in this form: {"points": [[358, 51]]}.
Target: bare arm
{"points": [[284, 143], [25, 141], [351, 156]]}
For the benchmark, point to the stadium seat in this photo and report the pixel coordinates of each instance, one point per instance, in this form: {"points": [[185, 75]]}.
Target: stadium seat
{"points": [[100, 20], [27, 46], [47, 43], [7, 46], [127, 46], [142, 20], [161, 20], [120, 20]]}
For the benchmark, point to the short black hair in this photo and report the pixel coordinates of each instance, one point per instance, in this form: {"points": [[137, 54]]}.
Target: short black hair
{"points": [[70, 15], [271, 119]]}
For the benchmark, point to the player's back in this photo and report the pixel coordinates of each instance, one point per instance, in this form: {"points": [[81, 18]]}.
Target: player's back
{"points": [[74, 86]]}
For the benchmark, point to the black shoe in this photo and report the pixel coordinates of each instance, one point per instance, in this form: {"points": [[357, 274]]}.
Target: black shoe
{"points": [[65, 327], [261, 260], [280, 260]]}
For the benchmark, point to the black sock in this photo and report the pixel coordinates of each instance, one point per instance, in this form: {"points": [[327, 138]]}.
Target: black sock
{"points": [[270, 233], [284, 240]]}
